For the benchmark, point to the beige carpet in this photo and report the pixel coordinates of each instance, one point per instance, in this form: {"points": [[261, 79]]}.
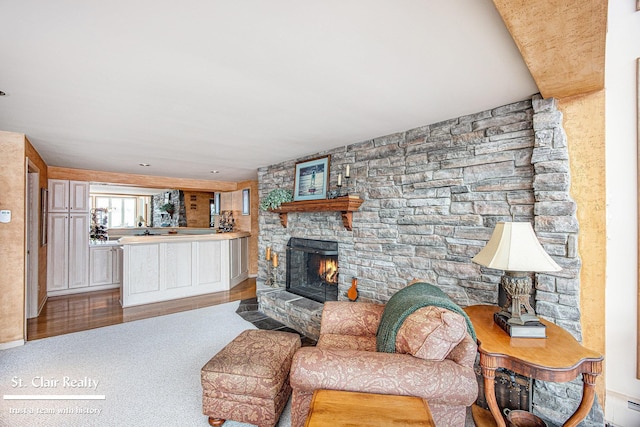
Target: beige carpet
{"points": [[145, 373]]}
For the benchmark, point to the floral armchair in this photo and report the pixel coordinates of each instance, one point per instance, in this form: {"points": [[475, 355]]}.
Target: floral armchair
{"points": [[433, 360]]}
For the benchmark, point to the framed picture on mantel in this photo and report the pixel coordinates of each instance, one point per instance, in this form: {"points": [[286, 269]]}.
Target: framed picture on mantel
{"points": [[311, 179]]}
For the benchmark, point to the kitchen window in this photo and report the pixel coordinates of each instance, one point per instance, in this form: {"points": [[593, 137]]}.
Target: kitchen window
{"points": [[122, 210]]}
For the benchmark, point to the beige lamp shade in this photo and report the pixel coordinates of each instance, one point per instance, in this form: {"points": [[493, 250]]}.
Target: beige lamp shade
{"points": [[514, 247]]}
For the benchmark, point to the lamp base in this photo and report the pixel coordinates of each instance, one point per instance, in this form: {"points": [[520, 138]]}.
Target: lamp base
{"points": [[517, 289]]}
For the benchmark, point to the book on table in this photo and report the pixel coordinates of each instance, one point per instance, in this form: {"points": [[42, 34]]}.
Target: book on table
{"points": [[533, 329]]}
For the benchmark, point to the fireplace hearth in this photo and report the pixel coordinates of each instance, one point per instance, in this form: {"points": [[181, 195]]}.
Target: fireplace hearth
{"points": [[312, 269]]}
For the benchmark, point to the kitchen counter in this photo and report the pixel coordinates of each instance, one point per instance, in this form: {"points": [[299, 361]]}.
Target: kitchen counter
{"points": [[165, 267], [104, 243], [164, 238]]}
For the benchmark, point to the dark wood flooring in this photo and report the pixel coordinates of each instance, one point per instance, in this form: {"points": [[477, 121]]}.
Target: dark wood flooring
{"points": [[79, 312]]}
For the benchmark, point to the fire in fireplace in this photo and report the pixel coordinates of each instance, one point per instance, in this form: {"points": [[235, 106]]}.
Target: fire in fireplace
{"points": [[312, 269]]}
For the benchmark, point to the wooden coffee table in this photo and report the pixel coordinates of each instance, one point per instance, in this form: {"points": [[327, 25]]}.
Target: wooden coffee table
{"points": [[333, 408]]}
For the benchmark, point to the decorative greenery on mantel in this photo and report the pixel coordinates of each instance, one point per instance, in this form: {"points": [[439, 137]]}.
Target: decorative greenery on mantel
{"points": [[275, 198]]}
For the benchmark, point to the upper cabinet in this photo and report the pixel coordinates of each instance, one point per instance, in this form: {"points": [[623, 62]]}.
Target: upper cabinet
{"points": [[58, 195], [68, 196]]}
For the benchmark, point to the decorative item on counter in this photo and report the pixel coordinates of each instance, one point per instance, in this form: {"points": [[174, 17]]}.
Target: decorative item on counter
{"points": [[275, 198], [141, 221], [227, 222], [352, 293], [99, 225]]}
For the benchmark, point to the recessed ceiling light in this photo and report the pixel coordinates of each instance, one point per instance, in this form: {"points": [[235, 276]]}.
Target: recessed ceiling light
{"points": [[144, 164], [215, 171]]}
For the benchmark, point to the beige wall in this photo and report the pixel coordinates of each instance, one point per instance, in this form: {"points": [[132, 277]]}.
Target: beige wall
{"points": [[12, 237], [584, 124], [252, 223], [196, 207], [233, 201]]}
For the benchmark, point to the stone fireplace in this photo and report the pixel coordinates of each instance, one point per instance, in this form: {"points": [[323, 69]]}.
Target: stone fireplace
{"points": [[312, 269], [432, 196]]}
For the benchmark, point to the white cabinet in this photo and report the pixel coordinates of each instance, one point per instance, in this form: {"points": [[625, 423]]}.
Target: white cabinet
{"points": [[78, 250], [68, 196], [100, 265], [58, 252], [58, 195], [165, 268], [68, 252], [208, 264], [105, 265], [68, 237], [238, 262], [117, 265]]}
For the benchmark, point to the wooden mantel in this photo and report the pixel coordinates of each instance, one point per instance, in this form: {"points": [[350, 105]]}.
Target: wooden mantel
{"points": [[345, 204]]}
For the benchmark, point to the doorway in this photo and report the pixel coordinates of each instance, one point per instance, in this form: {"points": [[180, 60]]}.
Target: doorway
{"points": [[33, 241]]}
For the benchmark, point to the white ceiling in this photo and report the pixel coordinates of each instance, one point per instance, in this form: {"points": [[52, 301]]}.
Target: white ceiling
{"points": [[192, 86]]}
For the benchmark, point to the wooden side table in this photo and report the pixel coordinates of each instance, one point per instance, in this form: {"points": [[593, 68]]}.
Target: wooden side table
{"points": [[334, 408], [557, 358]]}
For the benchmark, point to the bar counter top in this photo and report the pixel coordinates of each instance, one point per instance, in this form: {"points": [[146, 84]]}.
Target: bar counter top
{"points": [[168, 238]]}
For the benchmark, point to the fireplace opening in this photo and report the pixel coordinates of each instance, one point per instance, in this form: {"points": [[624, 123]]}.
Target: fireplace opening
{"points": [[312, 269]]}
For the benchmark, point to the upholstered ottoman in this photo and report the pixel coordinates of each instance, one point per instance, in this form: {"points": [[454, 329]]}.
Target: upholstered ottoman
{"points": [[248, 380]]}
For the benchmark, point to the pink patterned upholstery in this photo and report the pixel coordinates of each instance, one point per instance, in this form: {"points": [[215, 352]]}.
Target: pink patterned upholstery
{"points": [[345, 359], [431, 333], [247, 380], [346, 318]]}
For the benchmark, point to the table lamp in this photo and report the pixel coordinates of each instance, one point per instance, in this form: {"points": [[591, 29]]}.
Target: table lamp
{"points": [[514, 248]]}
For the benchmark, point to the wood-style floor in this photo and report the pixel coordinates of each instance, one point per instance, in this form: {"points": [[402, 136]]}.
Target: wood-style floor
{"points": [[79, 312]]}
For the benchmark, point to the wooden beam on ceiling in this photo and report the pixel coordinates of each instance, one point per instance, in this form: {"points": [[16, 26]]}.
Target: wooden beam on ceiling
{"points": [[562, 42], [140, 180]]}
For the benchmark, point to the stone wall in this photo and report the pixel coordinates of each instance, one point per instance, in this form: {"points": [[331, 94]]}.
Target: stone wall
{"points": [[179, 217], [432, 196]]}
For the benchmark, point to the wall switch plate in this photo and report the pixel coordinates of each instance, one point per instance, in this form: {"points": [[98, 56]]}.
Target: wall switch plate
{"points": [[5, 216]]}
